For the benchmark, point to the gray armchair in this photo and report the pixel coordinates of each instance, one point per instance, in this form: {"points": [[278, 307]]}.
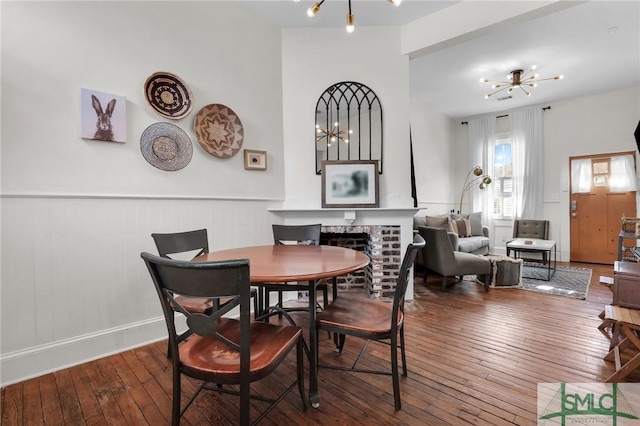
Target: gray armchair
{"points": [[527, 228], [439, 257]]}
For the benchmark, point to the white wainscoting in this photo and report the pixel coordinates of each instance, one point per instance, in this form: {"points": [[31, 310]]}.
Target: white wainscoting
{"points": [[73, 285]]}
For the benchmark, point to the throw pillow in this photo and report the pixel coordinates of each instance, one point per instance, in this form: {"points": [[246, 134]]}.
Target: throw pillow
{"points": [[438, 222], [475, 220], [462, 227]]}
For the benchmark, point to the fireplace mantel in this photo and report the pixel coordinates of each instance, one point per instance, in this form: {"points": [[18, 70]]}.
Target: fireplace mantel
{"points": [[350, 216], [401, 218]]}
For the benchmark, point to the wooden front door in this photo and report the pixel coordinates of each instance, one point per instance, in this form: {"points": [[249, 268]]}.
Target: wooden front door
{"points": [[596, 216]]}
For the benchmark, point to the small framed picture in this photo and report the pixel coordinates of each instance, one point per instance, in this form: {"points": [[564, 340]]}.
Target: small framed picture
{"points": [[103, 116], [350, 184], [255, 160]]}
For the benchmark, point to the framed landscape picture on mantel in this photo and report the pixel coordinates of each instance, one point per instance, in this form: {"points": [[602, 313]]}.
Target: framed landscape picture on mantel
{"points": [[347, 184]]}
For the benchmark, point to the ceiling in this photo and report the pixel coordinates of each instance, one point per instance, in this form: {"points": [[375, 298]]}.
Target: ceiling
{"points": [[595, 45]]}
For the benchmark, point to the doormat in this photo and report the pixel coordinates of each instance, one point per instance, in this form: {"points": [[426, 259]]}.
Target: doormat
{"points": [[566, 281]]}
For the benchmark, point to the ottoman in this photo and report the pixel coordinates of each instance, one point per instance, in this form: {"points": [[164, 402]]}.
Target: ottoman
{"points": [[505, 271]]}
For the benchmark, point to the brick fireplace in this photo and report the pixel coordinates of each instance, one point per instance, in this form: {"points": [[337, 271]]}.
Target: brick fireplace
{"points": [[381, 233]]}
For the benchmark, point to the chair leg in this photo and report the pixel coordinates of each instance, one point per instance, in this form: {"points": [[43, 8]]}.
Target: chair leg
{"points": [[402, 352], [280, 303], [394, 372], [325, 297], [266, 303], [443, 286], [339, 339], [175, 405], [424, 278]]}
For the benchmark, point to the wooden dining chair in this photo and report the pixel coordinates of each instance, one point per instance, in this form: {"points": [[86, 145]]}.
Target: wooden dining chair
{"points": [[294, 234], [193, 244], [373, 320], [222, 350]]}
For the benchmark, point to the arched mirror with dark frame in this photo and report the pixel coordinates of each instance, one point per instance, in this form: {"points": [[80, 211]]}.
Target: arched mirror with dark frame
{"points": [[348, 124]]}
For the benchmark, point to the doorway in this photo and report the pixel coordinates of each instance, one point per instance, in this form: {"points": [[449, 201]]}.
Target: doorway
{"points": [[597, 205]]}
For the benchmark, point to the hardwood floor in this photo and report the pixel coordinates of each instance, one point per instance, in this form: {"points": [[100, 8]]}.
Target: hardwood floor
{"points": [[473, 357]]}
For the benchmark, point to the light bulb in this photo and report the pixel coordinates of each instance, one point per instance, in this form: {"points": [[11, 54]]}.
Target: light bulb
{"points": [[350, 26], [396, 3], [313, 10], [558, 77]]}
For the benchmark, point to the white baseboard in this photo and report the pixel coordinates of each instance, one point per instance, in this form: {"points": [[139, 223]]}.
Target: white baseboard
{"points": [[39, 360]]}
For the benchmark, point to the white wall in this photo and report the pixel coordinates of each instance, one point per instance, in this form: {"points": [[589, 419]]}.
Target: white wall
{"points": [[76, 213], [601, 123], [435, 157], [313, 60], [52, 49]]}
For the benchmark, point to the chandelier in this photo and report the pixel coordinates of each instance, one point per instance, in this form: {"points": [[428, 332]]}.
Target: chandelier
{"points": [[333, 134], [518, 79], [350, 18]]}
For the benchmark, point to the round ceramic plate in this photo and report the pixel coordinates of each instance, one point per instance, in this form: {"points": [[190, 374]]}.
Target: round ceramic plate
{"points": [[166, 146], [219, 130], [168, 95]]}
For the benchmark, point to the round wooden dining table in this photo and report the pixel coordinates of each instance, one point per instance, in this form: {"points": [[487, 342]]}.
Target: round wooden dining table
{"points": [[297, 263]]}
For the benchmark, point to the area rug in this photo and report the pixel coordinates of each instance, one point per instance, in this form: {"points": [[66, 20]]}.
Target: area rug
{"points": [[566, 281]]}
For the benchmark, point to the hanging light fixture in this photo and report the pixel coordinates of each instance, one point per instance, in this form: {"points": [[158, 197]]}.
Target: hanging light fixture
{"points": [[350, 17], [518, 79]]}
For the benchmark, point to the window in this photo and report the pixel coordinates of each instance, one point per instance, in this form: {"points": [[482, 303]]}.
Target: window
{"points": [[503, 180]]}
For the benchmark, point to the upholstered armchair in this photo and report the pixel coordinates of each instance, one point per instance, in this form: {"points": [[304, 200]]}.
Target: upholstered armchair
{"points": [[527, 228], [439, 257]]}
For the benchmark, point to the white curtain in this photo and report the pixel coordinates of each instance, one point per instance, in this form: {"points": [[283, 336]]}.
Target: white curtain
{"points": [[623, 174], [482, 131], [527, 151], [580, 175]]}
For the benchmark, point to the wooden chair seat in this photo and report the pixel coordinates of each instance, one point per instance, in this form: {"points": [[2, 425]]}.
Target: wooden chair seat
{"points": [[210, 358], [201, 306], [358, 315], [194, 304]]}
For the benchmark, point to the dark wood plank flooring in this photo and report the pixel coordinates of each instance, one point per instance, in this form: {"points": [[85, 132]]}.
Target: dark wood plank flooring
{"points": [[473, 357]]}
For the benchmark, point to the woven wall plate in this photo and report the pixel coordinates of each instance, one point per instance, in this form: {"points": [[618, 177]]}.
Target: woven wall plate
{"points": [[219, 130], [169, 95], [166, 146]]}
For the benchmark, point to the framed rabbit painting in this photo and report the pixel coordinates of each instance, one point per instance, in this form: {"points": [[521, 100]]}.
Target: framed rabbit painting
{"points": [[103, 116]]}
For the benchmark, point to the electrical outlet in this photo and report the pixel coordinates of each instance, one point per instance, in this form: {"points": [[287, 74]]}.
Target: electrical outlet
{"points": [[504, 238]]}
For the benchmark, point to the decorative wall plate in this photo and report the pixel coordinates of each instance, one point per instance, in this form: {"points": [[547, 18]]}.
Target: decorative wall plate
{"points": [[219, 130], [168, 95], [166, 146]]}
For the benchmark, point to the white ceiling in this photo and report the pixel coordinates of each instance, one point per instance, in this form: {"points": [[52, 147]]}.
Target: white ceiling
{"points": [[594, 44]]}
